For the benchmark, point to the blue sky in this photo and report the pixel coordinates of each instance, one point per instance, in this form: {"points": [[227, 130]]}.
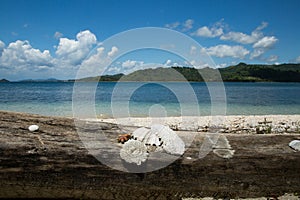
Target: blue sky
{"points": [[42, 39]]}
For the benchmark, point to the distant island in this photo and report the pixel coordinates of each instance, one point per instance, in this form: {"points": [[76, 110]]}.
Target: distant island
{"points": [[241, 72], [238, 73], [3, 81]]}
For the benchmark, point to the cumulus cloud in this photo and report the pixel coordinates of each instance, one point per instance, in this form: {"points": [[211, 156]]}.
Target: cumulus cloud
{"points": [[243, 38], [260, 43], [113, 51], [208, 32], [74, 51], [222, 51], [57, 35], [94, 60], [266, 42], [298, 59], [20, 55], [215, 30], [262, 46]]}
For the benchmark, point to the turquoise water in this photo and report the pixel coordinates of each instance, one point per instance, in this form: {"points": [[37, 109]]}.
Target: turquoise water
{"points": [[151, 98]]}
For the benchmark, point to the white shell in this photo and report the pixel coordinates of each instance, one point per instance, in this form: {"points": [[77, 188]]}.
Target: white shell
{"points": [[171, 142], [134, 151], [146, 136], [140, 133], [295, 144], [33, 128], [159, 138]]}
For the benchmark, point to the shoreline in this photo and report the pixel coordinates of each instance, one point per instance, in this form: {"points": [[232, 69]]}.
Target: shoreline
{"points": [[240, 124], [236, 124]]}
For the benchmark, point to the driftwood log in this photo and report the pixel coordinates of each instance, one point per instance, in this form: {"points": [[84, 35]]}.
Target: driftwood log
{"points": [[53, 163]]}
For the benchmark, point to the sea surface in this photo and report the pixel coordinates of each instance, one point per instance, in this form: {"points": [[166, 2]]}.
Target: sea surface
{"points": [[153, 99]]}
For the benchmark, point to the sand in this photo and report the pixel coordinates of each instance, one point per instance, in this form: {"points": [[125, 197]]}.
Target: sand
{"points": [[252, 124]]}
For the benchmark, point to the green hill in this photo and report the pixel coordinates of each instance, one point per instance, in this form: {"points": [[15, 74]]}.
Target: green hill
{"points": [[275, 73], [110, 78], [241, 72]]}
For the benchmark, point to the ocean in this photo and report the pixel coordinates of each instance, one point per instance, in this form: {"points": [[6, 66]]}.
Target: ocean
{"points": [[152, 99]]}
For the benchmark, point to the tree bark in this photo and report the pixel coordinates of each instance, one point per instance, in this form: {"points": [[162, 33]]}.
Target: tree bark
{"points": [[53, 163]]}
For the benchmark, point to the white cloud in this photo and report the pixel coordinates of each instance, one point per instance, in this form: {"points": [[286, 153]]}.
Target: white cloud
{"points": [[221, 65], [172, 25], [244, 38], [215, 30], [298, 59], [193, 50], [257, 53], [241, 37], [129, 66], [19, 59], [74, 51], [2, 45], [168, 62], [272, 58], [222, 51], [208, 32], [262, 26], [262, 46], [188, 24], [113, 51], [95, 59], [199, 64], [95, 64], [57, 35], [261, 43], [20, 55], [129, 63], [266, 42]]}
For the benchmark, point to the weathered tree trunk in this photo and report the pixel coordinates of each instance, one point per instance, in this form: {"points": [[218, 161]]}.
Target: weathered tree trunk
{"points": [[53, 163]]}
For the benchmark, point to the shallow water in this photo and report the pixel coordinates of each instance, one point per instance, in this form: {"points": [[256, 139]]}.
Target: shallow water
{"points": [[153, 99]]}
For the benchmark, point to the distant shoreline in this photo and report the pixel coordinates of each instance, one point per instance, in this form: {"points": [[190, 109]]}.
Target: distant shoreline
{"points": [[241, 72]]}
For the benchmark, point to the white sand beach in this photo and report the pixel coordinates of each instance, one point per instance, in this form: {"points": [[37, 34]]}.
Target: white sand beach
{"points": [[279, 124]]}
